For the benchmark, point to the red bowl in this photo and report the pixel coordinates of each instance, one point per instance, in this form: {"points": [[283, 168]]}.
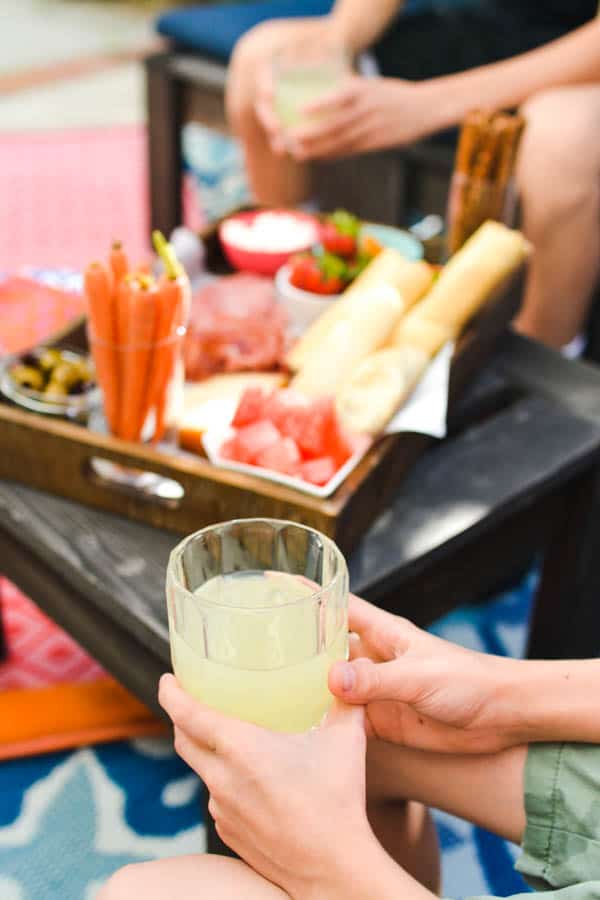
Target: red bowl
{"points": [[264, 262]]}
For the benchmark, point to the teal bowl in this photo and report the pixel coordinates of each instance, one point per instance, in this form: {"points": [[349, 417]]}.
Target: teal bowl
{"points": [[402, 241]]}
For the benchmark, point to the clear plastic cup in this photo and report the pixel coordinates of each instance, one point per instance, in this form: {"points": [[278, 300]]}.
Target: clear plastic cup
{"points": [[304, 72], [142, 386], [258, 612]]}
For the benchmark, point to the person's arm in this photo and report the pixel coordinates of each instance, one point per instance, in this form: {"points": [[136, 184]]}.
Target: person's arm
{"points": [[573, 59], [371, 113], [553, 700], [357, 24]]}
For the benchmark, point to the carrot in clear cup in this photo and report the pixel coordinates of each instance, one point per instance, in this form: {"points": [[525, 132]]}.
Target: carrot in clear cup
{"points": [[137, 312], [98, 289], [119, 264], [175, 301]]}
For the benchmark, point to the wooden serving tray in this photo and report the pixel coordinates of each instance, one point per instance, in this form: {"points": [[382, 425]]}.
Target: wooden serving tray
{"points": [[56, 456]]}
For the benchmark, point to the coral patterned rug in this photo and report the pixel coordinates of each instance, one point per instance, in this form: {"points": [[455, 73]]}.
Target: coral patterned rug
{"points": [[68, 194], [41, 653]]}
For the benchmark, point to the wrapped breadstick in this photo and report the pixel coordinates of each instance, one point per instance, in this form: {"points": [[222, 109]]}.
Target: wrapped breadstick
{"points": [[415, 330], [411, 279], [366, 325], [378, 387], [473, 274]]}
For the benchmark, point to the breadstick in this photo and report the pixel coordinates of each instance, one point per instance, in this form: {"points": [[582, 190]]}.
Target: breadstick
{"points": [[473, 274], [379, 386], [366, 326], [411, 279], [415, 330]]}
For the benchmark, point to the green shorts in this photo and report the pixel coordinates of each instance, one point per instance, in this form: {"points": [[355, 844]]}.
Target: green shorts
{"points": [[561, 845]]}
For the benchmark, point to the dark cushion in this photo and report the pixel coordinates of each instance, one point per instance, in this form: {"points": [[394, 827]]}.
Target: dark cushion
{"points": [[214, 30]]}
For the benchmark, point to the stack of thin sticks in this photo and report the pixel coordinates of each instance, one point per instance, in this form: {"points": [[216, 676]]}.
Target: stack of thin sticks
{"points": [[485, 162]]}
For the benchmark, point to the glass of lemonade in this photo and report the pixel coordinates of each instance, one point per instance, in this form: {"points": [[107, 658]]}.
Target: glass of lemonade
{"points": [[302, 73], [258, 612]]}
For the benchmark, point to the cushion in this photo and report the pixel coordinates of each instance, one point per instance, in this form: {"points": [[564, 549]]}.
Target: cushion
{"points": [[213, 30]]}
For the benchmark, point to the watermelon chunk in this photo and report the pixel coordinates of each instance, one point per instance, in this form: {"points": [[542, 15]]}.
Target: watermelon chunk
{"points": [[283, 456], [228, 450], [313, 438], [289, 411], [250, 408], [323, 434], [251, 440], [319, 471], [341, 444]]}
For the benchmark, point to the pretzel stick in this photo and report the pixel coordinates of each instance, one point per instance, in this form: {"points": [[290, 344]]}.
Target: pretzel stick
{"points": [[506, 163], [471, 137]]}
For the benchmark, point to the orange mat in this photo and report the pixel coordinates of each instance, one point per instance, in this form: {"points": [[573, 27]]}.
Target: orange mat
{"points": [[40, 720]]}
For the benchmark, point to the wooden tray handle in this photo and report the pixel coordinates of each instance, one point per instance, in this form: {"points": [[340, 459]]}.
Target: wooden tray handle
{"points": [[142, 483]]}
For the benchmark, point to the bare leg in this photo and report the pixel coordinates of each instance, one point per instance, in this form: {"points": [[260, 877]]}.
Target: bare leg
{"points": [[190, 878], [406, 830], [486, 790], [559, 182], [274, 179], [409, 835]]}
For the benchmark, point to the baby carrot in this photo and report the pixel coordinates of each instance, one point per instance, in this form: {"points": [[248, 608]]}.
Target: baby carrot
{"points": [[166, 353], [175, 300], [119, 263], [98, 290], [137, 303]]}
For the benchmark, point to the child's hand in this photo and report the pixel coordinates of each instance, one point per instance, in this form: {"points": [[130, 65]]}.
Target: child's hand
{"points": [[424, 692], [292, 806]]}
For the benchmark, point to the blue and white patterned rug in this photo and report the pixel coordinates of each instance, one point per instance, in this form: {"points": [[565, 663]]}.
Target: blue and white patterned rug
{"points": [[68, 820]]}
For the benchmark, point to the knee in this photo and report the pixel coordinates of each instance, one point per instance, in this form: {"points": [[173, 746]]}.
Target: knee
{"points": [[122, 885], [559, 142], [249, 53]]}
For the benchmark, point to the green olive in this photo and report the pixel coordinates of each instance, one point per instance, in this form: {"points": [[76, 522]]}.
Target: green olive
{"points": [[82, 369], [50, 359], [27, 377], [65, 374], [55, 389]]}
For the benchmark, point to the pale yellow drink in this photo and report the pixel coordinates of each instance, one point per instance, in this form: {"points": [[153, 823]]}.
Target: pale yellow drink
{"points": [[303, 75], [296, 89], [267, 667]]}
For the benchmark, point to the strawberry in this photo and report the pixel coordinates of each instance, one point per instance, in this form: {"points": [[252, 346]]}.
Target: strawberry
{"points": [[340, 244], [334, 273], [322, 274], [301, 270], [339, 234]]}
